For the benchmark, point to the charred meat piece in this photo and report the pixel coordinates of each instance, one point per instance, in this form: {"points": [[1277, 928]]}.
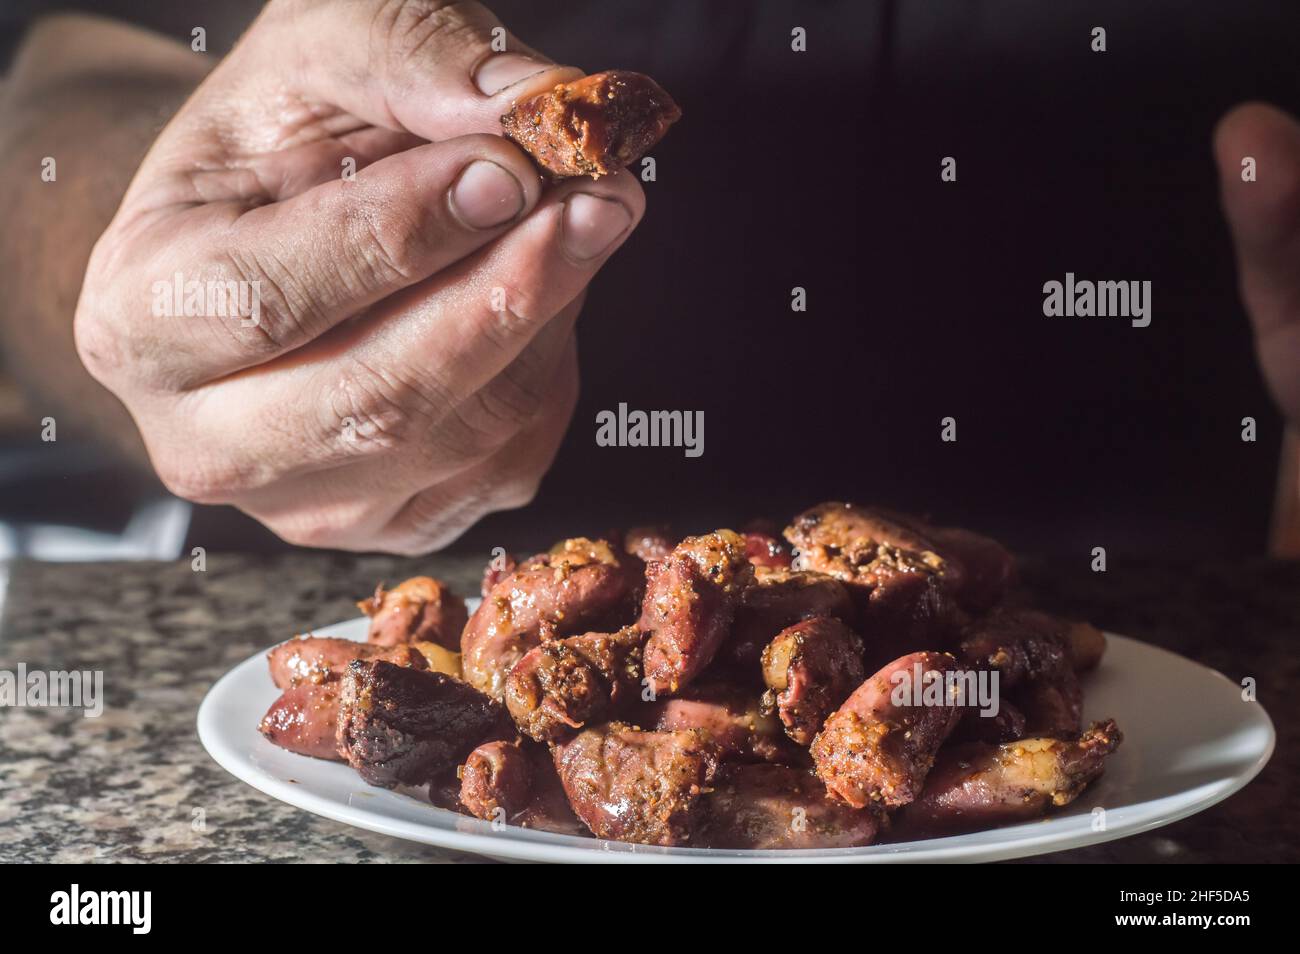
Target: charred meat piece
{"points": [[638, 786], [730, 717], [515, 783], [781, 598], [592, 126], [565, 684], [417, 610], [903, 588], [810, 669], [776, 806], [878, 747], [883, 553], [1022, 645], [845, 540], [974, 785], [319, 659], [305, 720], [690, 602], [400, 726], [579, 584]]}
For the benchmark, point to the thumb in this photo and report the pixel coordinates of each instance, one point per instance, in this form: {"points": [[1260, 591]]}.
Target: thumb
{"points": [[1263, 213]]}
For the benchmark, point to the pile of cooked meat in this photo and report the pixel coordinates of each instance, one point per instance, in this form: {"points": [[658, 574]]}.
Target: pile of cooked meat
{"points": [[730, 690]]}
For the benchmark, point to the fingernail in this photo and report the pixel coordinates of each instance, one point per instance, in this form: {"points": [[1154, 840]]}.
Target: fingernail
{"points": [[592, 225], [486, 195], [497, 72]]}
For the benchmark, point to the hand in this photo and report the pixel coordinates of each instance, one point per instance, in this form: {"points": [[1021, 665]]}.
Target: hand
{"points": [[404, 361], [1264, 217]]}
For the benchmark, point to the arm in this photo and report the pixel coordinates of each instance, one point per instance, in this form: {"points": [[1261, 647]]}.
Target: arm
{"points": [[1264, 218], [371, 345], [92, 94]]}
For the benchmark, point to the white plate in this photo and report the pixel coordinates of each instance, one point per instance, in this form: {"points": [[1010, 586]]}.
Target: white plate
{"points": [[1189, 741]]}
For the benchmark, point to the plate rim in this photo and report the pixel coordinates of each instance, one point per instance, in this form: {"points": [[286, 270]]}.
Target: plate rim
{"points": [[538, 846]]}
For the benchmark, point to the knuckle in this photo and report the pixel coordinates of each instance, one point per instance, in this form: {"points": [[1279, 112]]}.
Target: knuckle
{"points": [[286, 313], [511, 314], [374, 411], [392, 244], [475, 429]]}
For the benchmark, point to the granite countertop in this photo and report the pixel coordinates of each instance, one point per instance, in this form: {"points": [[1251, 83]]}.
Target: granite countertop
{"points": [[126, 786]]}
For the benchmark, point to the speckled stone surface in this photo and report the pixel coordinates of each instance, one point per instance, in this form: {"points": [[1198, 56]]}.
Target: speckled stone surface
{"points": [[126, 786]]}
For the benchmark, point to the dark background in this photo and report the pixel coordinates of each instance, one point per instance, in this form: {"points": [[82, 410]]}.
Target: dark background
{"points": [[821, 169]]}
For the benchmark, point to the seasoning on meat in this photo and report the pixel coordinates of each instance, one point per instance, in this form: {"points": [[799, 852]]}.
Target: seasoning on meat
{"points": [[633, 678], [592, 126]]}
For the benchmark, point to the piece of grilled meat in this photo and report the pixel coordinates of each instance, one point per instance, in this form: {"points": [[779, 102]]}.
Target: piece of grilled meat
{"points": [[400, 726], [577, 585], [320, 659], [810, 668], [514, 782], [648, 543], [690, 601], [1085, 645], [777, 599], [418, 610], [592, 126], [730, 716], [766, 551], [975, 785], [878, 747], [632, 785], [912, 581], [1007, 725], [1052, 705], [1020, 644], [304, 719], [1035, 656], [565, 684], [902, 587]]}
